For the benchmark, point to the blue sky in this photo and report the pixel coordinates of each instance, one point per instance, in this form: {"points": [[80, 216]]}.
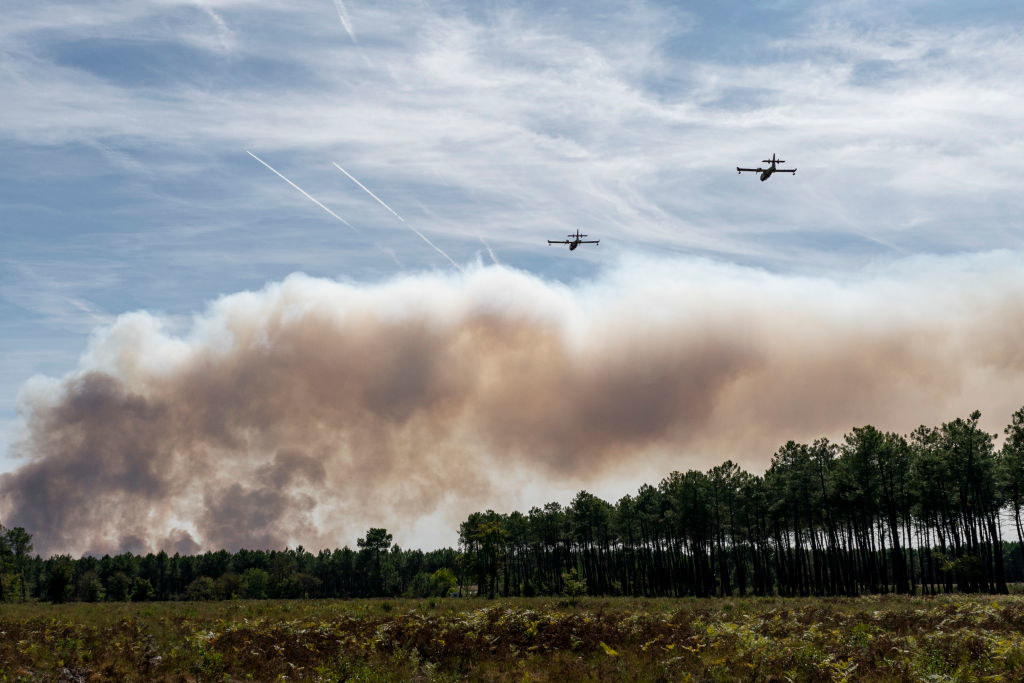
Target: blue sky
{"points": [[126, 184]]}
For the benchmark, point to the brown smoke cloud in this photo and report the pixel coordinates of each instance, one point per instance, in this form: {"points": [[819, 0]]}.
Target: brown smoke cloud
{"points": [[310, 410]]}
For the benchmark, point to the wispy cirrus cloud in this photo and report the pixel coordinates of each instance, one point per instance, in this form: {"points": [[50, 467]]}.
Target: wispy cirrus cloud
{"points": [[224, 33], [581, 126]]}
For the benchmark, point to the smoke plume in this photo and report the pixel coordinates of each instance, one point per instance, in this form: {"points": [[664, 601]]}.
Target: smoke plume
{"points": [[312, 409]]}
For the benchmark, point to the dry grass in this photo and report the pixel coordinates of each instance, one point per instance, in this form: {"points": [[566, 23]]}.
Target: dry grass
{"points": [[872, 638]]}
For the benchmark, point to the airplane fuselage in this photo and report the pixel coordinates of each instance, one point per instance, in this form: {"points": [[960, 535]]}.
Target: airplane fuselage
{"points": [[574, 241], [766, 173]]}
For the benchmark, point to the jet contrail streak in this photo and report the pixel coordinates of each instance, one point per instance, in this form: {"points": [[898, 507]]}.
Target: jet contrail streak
{"points": [[343, 15], [304, 193], [381, 202], [367, 190], [438, 249], [489, 251]]}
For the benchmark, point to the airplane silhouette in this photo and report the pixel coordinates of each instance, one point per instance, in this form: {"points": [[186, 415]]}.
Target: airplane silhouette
{"points": [[574, 240], [766, 173]]}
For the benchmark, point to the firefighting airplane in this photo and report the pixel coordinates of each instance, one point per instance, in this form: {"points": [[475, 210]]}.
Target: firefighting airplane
{"points": [[767, 172], [574, 240]]}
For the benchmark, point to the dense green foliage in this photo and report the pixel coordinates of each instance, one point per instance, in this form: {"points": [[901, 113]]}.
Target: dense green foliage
{"points": [[15, 563], [293, 573], [834, 639], [876, 513]]}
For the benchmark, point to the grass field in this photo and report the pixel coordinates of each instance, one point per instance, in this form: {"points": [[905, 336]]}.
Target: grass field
{"points": [[872, 638]]}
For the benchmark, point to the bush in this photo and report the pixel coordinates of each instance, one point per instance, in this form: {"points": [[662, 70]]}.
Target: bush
{"points": [[229, 586], [444, 582], [59, 578], [440, 584], [300, 585], [574, 585], [90, 588], [119, 587], [421, 586], [256, 582], [202, 588], [142, 590]]}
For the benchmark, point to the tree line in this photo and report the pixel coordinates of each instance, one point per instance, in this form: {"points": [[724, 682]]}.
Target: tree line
{"points": [[375, 568], [876, 512]]}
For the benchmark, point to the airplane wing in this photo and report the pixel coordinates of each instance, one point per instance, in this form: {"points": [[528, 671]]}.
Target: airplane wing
{"points": [[785, 170], [590, 241], [752, 170], [558, 241]]}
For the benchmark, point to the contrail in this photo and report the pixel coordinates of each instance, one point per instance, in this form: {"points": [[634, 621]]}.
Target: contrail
{"points": [[489, 251], [89, 310], [343, 15], [381, 202], [438, 249], [304, 193], [224, 33]]}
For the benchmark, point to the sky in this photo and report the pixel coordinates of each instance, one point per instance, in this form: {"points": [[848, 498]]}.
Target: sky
{"points": [[178, 177]]}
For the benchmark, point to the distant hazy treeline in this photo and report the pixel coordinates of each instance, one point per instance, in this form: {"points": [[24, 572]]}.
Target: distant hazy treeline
{"points": [[376, 568]]}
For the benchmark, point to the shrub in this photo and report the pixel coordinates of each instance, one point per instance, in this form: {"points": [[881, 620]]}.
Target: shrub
{"points": [[256, 582], [574, 585], [142, 590], [202, 588]]}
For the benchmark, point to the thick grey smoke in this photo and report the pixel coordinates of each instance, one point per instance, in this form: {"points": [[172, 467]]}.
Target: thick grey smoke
{"points": [[305, 412]]}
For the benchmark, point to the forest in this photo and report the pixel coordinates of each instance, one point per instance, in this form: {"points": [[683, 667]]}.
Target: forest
{"points": [[935, 511]]}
